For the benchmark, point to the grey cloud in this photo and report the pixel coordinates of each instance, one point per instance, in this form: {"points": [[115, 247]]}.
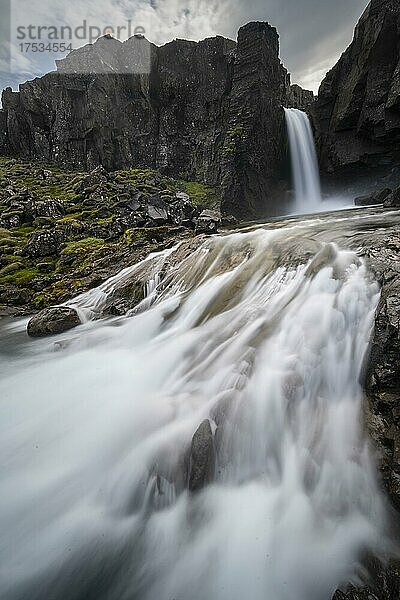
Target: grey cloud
{"points": [[313, 33]]}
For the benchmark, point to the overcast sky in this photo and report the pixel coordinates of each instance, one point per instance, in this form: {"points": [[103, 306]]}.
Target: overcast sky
{"points": [[313, 33]]}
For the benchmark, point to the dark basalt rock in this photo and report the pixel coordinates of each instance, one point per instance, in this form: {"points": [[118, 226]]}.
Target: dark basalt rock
{"points": [[208, 221], [357, 114], [208, 111], [202, 457], [392, 200], [373, 199], [44, 243], [299, 98], [53, 320], [383, 388]]}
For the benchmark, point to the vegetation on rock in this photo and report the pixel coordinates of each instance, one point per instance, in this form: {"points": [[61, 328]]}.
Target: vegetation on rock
{"points": [[63, 232]]}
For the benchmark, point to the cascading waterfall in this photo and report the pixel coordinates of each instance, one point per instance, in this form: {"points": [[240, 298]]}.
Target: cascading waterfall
{"points": [[94, 437], [304, 162]]}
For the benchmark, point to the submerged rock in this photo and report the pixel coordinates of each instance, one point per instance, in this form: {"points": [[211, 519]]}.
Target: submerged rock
{"points": [[51, 321], [202, 457]]}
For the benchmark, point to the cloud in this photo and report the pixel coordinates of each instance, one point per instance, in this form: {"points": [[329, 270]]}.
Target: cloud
{"points": [[313, 32]]}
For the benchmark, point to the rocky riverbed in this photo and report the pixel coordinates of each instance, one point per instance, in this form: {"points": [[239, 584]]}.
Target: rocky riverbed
{"points": [[371, 233]]}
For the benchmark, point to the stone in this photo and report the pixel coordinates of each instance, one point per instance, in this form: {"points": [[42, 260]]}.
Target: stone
{"points": [[125, 298], [383, 387], [202, 457], [11, 268], [51, 321], [208, 221], [44, 243], [157, 210], [45, 267]]}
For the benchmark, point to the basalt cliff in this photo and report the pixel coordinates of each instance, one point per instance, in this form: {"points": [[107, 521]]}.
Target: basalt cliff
{"points": [[357, 114], [209, 112]]}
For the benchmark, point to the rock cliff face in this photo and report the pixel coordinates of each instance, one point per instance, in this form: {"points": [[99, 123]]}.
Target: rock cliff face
{"points": [[208, 111], [357, 114]]}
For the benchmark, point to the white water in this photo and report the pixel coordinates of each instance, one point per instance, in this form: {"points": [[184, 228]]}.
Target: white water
{"points": [[93, 437], [304, 162]]}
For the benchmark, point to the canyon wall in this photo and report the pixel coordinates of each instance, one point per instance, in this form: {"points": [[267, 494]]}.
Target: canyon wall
{"points": [[357, 113], [209, 111]]}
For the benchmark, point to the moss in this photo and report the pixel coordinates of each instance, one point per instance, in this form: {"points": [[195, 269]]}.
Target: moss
{"points": [[23, 231], [57, 292], [233, 139], [71, 217], [83, 246], [59, 185], [20, 277], [201, 194]]}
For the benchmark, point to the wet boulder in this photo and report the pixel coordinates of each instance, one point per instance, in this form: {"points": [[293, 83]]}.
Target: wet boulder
{"points": [[51, 321], [208, 221], [202, 457], [157, 210]]}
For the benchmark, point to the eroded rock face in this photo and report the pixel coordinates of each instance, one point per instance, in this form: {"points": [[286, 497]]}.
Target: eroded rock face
{"points": [[392, 200], [373, 199], [53, 320], [208, 112], [357, 114], [383, 387]]}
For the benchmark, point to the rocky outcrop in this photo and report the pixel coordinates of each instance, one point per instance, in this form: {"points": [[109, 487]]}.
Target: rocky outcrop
{"points": [[357, 114], [392, 200], [62, 233], [254, 146], [299, 98], [202, 457], [208, 111], [383, 387], [374, 199], [382, 411], [53, 320]]}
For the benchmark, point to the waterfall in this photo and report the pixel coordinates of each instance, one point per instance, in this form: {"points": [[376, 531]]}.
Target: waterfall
{"points": [[95, 432], [304, 162]]}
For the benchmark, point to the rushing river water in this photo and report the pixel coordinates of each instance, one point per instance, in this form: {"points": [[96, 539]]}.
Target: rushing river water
{"points": [[268, 327]]}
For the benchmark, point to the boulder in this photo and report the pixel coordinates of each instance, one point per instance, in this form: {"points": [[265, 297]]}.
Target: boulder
{"points": [[93, 180], [202, 457], [208, 221], [51, 321], [44, 243], [157, 210]]}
